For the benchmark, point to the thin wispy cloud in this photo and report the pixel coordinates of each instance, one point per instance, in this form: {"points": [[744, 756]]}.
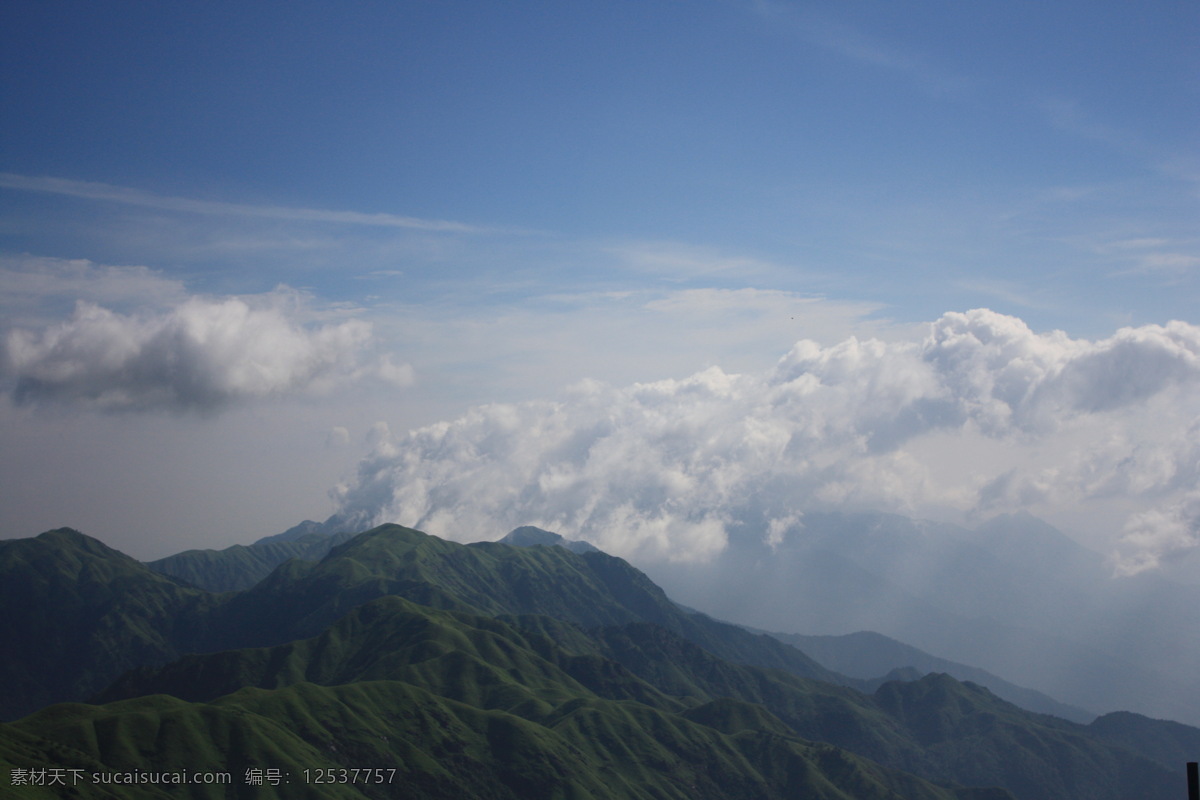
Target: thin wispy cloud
{"points": [[679, 261], [1157, 257], [137, 197], [1072, 117], [856, 45], [1069, 115], [1008, 291]]}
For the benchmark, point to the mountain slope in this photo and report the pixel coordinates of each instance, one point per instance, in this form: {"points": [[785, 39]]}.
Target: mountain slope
{"points": [[425, 746], [74, 614], [80, 613], [971, 734], [466, 657], [481, 714], [589, 589], [1168, 743]]}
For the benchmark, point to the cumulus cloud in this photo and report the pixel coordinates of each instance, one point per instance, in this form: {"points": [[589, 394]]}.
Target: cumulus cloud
{"points": [[337, 436], [675, 469], [199, 355], [1158, 535]]}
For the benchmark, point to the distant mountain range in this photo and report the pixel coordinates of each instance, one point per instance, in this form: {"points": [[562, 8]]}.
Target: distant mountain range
{"points": [[1014, 597], [869, 655], [491, 670]]}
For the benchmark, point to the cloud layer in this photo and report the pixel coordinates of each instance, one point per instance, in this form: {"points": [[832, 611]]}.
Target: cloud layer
{"points": [[199, 355], [982, 414]]}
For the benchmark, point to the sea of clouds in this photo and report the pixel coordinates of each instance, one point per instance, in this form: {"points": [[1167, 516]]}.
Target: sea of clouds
{"points": [[980, 415]]}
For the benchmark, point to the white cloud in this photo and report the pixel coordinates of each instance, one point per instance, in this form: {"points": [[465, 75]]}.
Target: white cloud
{"points": [[1157, 535], [670, 470], [533, 346], [198, 355], [31, 283], [1171, 264], [338, 436], [1167, 258], [676, 261]]}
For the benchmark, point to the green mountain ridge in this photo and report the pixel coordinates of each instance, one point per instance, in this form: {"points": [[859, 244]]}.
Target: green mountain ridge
{"points": [[494, 671], [866, 656], [589, 589], [441, 748], [79, 613]]}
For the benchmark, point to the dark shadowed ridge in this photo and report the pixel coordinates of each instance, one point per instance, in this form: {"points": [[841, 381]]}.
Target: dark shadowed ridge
{"points": [[1169, 743], [74, 614]]}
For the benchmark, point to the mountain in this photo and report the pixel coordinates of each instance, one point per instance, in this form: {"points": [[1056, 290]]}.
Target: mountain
{"points": [[589, 589], [529, 536], [866, 655], [75, 614], [992, 597], [420, 745], [1168, 743], [488, 670], [240, 567], [468, 722], [306, 528], [971, 734], [79, 613]]}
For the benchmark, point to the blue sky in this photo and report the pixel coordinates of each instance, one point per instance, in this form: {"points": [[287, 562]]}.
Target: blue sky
{"points": [[507, 199], [972, 154]]}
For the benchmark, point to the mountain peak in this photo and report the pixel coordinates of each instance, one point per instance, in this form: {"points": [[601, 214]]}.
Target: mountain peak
{"points": [[69, 540], [1023, 537], [531, 536], [295, 532]]}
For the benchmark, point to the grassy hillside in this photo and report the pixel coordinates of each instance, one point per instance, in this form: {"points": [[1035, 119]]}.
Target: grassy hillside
{"points": [[427, 746], [75, 614], [936, 728], [589, 589]]}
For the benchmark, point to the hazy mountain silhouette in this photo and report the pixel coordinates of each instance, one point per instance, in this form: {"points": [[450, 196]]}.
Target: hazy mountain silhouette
{"points": [[1014, 597]]}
